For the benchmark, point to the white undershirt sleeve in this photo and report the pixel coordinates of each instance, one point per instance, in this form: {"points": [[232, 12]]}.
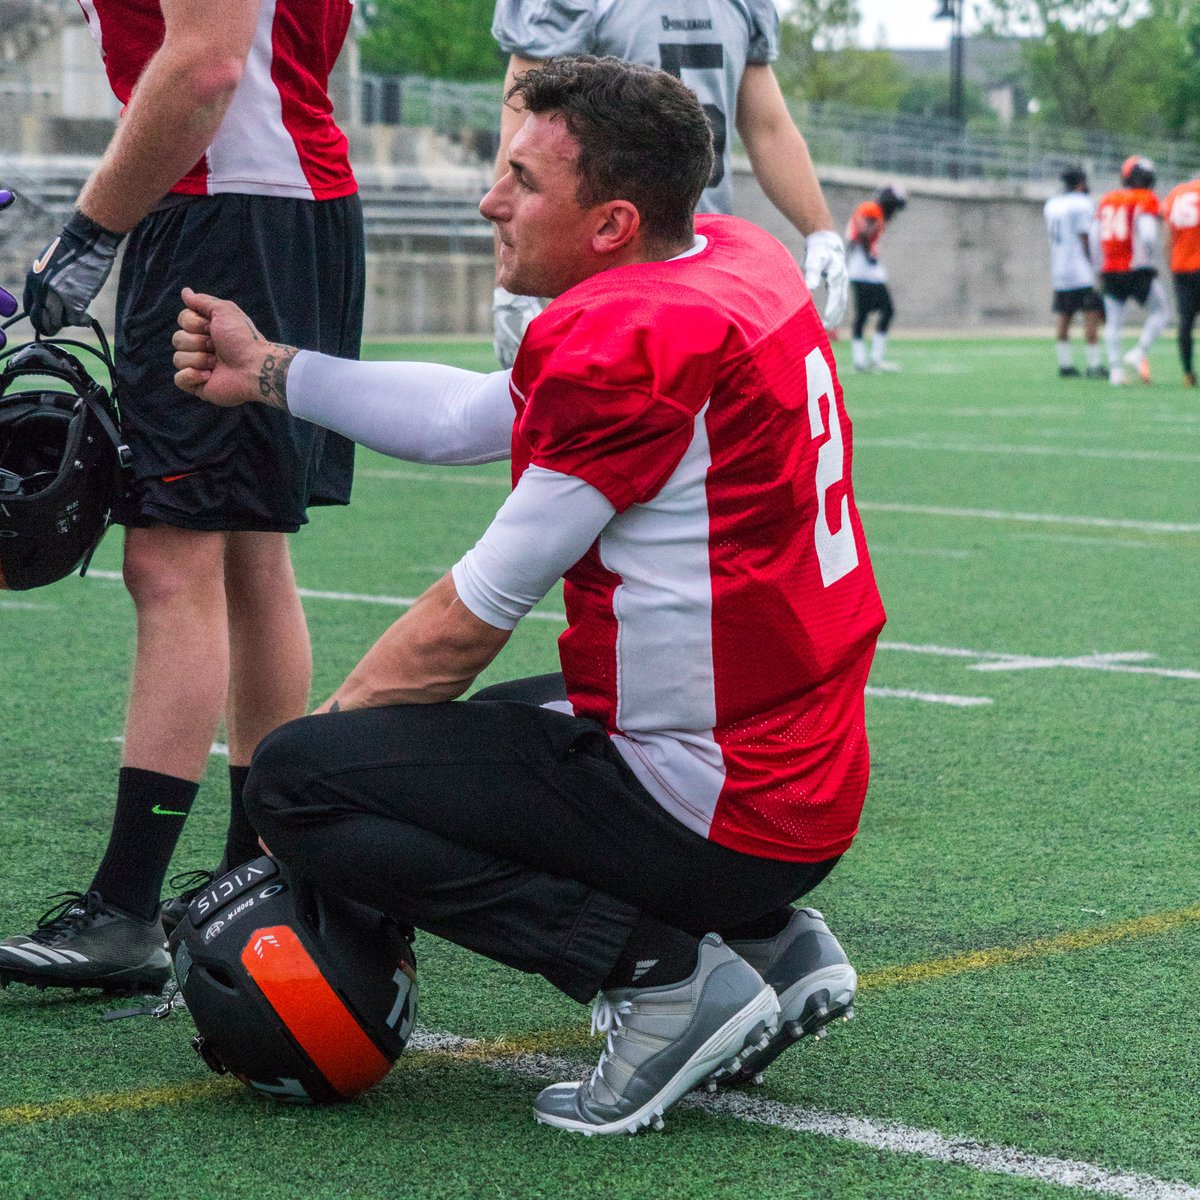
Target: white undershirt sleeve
{"points": [[1146, 239], [546, 525], [421, 412]]}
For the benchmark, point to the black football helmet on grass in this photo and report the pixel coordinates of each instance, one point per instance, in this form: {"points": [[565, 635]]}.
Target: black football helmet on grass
{"points": [[63, 463], [302, 996]]}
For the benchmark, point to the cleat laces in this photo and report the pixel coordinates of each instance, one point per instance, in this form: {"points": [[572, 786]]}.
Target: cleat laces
{"points": [[71, 914], [187, 883], [606, 1020]]}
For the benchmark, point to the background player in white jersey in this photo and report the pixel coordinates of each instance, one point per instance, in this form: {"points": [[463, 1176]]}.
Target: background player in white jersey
{"points": [[705, 758], [723, 50], [1069, 219], [868, 278], [226, 171]]}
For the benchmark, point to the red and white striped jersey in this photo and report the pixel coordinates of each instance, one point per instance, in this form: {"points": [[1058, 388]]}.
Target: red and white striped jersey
{"points": [[278, 137], [722, 627]]}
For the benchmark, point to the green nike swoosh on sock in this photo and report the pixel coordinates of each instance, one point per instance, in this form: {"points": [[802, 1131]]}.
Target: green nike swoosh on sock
{"points": [[167, 812]]}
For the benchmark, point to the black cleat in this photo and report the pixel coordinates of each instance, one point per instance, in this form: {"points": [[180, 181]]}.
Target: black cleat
{"points": [[814, 980], [189, 884], [83, 942], [1097, 373], [1069, 372]]}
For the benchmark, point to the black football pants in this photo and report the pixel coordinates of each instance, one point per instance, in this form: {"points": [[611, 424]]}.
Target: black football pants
{"points": [[1187, 295], [513, 830]]}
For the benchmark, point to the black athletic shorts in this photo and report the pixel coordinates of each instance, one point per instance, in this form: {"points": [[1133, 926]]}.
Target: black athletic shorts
{"points": [[870, 297], [297, 268], [1187, 291], [1069, 301], [1129, 285]]}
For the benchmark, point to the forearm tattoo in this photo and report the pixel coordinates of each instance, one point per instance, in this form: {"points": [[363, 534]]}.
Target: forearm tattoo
{"points": [[272, 379]]}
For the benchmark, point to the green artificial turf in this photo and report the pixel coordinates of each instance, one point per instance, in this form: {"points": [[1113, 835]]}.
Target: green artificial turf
{"points": [[1061, 809]]}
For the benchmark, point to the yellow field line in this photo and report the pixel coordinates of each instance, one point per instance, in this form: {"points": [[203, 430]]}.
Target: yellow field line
{"points": [[90, 1106], [556, 1040], [1081, 939]]}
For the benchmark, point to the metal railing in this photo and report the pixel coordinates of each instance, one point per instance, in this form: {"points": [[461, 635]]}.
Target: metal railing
{"points": [[837, 135], [895, 144]]}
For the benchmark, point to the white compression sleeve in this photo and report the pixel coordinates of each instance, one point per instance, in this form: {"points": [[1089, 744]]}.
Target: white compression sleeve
{"points": [[1145, 238], [544, 527], [421, 412]]}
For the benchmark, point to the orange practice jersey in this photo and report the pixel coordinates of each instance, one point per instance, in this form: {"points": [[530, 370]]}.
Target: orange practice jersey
{"points": [[1117, 214], [1182, 213]]}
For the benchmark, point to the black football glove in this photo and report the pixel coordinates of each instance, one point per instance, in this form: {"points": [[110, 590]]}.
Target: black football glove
{"points": [[66, 277]]}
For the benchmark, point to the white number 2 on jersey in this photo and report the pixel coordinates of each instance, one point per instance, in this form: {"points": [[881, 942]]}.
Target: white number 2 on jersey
{"points": [[836, 552]]}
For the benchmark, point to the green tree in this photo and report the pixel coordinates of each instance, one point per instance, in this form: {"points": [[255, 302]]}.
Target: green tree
{"points": [[444, 39], [1120, 66], [819, 62], [929, 96]]}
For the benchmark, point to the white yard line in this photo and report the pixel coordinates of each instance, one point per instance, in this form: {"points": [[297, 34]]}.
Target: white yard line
{"points": [[1082, 539], [995, 514], [928, 697], [888, 1136], [986, 514], [1123, 662], [1040, 450]]}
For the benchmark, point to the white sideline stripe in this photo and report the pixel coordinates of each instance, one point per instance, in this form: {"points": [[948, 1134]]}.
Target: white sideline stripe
{"points": [[890, 1136], [1081, 539], [23, 604], [1164, 456], [447, 475], [217, 749], [878, 506], [928, 697], [1120, 662], [991, 514], [987, 660]]}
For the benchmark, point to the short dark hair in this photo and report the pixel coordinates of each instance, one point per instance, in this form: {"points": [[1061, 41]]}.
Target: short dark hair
{"points": [[643, 136], [1073, 178]]}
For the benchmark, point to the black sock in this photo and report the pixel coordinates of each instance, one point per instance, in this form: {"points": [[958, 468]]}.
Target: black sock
{"points": [[766, 926], [241, 842], [655, 955], [151, 810]]}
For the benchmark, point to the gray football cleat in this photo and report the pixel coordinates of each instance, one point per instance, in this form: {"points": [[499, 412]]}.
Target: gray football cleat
{"points": [[85, 943], [814, 980], [662, 1042]]}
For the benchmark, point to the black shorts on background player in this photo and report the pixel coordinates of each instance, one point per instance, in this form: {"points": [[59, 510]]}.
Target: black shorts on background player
{"points": [[1129, 285], [297, 268], [1069, 301]]}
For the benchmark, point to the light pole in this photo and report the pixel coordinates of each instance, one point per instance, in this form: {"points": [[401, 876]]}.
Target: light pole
{"points": [[952, 10]]}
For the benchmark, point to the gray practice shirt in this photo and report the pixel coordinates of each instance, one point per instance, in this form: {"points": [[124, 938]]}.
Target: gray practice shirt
{"points": [[706, 43]]}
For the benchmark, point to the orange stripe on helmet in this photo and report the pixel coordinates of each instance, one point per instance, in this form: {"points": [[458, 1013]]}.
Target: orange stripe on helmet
{"points": [[312, 1011]]}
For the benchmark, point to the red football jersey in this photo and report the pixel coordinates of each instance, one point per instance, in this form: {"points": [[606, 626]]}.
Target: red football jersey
{"points": [[1117, 214], [278, 137], [722, 627]]}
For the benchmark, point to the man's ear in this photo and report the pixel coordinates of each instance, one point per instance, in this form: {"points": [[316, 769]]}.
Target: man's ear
{"points": [[620, 224]]}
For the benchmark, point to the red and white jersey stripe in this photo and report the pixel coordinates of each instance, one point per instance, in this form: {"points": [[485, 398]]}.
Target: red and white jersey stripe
{"points": [[278, 137], [722, 627]]}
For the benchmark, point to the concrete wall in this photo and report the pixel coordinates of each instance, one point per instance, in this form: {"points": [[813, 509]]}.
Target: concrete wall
{"points": [[961, 256]]}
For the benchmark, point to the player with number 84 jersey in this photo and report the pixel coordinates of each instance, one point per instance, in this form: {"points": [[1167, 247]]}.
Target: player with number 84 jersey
{"points": [[680, 390]]}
